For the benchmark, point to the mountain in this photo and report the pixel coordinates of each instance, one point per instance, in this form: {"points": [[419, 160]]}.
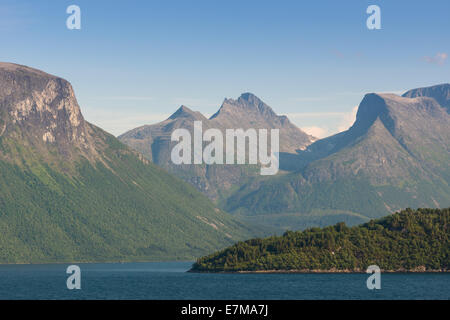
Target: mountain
{"points": [[417, 241], [441, 93], [69, 191], [248, 111], [396, 155], [216, 181]]}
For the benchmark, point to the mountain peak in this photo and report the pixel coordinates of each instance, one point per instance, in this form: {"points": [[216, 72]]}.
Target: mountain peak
{"points": [[372, 105], [250, 98], [185, 112], [12, 67], [41, 106], [247, 102]]}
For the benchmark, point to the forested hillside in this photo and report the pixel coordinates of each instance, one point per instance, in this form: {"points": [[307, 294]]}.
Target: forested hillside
{"points": [[69, 191], [406, 241]]}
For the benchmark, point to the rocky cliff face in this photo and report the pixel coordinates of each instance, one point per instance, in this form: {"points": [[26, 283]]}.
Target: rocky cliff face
{"points": [[42, 109]]}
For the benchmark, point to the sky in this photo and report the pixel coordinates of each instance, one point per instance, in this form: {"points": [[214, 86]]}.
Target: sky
{"points": [[135, 62]]}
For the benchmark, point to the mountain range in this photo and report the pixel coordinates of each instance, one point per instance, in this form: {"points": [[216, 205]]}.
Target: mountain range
{"points": [[396, 155], [70, 191], [215, 181]]}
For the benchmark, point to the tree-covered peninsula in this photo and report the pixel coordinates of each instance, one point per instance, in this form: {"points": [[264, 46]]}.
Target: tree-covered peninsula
{"points": [[410, 240]]}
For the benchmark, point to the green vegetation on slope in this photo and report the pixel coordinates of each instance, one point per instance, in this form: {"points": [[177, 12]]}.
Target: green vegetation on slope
{"points": [[280, 222], [118, 209], [71, 192], [408, 240]]}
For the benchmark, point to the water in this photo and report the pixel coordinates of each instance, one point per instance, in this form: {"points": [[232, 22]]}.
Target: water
{"points": [[170, 281]]}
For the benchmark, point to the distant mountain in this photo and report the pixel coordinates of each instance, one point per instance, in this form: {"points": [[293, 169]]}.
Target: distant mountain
{"points": [[441, 93], [216, 181], [69, 191], [248, 111], [396, 155], [416, 241]]}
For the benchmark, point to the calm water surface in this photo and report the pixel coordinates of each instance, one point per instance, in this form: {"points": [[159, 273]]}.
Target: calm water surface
{"points": [[171, 281]]}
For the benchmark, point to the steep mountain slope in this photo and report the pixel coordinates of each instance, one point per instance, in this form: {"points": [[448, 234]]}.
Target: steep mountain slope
{"points": [[248, 111], [71, 192], [396, 155]]}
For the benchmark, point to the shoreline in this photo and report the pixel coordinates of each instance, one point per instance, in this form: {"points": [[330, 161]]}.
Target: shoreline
{"points": [[89, 262], [331, 271]]}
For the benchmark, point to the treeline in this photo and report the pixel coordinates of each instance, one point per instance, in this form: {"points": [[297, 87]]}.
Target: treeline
{"points": [[410, 240]]}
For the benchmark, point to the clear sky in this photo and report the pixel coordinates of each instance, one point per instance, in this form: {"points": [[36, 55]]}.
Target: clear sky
{"points": [[134, 62]]}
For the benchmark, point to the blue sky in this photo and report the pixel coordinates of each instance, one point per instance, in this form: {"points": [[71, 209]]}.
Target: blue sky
{"points": [[135, 62]]}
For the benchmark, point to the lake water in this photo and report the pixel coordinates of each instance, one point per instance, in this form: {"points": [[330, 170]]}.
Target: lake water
{"points": [[171, 281]]}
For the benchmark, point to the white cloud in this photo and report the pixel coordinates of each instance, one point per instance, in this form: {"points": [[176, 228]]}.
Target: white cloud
{"points": [[317, 132], [438, 59], [348, 119], [322, 124]]}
